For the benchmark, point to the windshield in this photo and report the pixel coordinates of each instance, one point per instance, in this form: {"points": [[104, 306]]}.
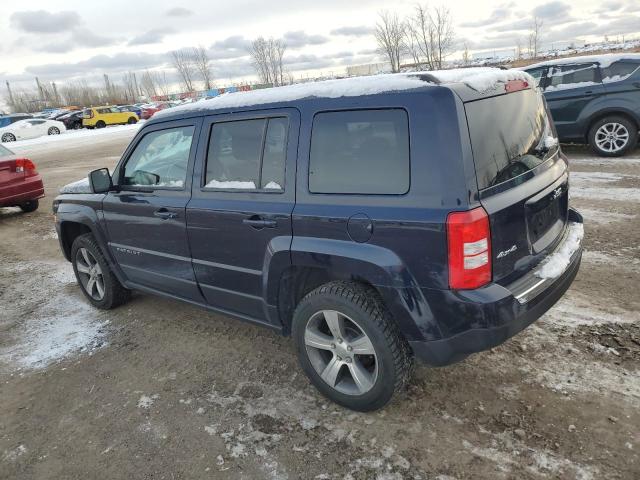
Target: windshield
{"points": [[510, 135], [5, 151]]}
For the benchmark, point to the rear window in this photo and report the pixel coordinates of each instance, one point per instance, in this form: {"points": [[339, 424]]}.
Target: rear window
{"points": [[618, 71], [571, 76], [360, 152], [510, 135]]}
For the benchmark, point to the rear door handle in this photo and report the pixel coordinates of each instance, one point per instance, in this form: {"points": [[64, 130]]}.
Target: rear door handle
{"points": [[636, 84], [259, 223], [164, 214]]}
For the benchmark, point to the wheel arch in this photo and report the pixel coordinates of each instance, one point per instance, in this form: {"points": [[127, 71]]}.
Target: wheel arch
{"points": [[315, 262]]}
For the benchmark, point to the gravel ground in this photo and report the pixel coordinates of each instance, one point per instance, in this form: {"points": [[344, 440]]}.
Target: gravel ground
{"points": [[159, 389]]}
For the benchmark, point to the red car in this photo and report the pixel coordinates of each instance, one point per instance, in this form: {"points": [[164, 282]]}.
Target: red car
{"points": [[20, 183], [148, 110]]}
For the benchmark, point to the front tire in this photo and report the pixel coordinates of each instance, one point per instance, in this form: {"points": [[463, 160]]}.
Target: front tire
{"points": [[96, 280], [132, 120], [8, 137], [100, 124], [350, 347], [613, 136], [30, 206]]}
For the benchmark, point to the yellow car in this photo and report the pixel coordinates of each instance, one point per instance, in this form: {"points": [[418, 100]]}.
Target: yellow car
{"points": [[100, 117]]}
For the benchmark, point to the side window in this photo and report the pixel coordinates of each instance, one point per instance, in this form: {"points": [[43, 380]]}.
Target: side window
{"points": [[536, 73], [36, 122], [247, 154], [618, 71], [360, 151], [570, 76], [103, 110], [160, 159], [114, 110]]}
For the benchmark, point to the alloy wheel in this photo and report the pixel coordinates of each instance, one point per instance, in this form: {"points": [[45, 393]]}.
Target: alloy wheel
{"points": [[8, 137], [612, 137], [90, 274], [54, 131], [341, 352]]}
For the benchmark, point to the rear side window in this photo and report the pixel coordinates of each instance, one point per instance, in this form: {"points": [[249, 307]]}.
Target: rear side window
{"points": [[360, 152], [536, 73], [618, 71], [510, 135], [247, 154], [103, 110], [571, 76]]}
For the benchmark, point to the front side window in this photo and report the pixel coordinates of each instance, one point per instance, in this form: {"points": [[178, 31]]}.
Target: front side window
{"points": [[160, 159], [571, 76], [247, 154], [360, 152]]}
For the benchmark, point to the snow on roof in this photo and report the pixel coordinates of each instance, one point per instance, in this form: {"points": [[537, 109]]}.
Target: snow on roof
{"points": [[604, 60], [479, 79]]}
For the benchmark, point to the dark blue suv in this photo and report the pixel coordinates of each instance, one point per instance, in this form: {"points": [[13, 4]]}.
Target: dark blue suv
{"points": [[594, 100], [374, 219]]}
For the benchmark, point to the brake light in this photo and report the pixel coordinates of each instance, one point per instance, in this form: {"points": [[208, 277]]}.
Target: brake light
{"points": [[515, 85], [26, 166], [469, 240]]}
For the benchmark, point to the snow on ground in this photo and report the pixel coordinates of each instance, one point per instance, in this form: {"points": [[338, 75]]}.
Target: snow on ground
{"points": [[61, 324], [597, 185], [601, 217], [75, 137]]}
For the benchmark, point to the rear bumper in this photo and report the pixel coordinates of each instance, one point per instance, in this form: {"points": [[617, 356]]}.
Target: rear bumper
{"points": [[494, 314], [29, 189]]}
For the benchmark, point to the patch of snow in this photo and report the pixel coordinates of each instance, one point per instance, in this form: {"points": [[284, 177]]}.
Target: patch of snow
{"points": [[83, 136], [79, 186], [559, 260], [602, 217], [231, 184], [568, 86], [61, 325], [146, 401], [480, 79], [622, 194], [12, 455], [273, 186], [604, 60], [585, 178]]}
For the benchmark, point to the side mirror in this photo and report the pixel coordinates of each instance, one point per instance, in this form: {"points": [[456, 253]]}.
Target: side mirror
{"points": [[100, 181]]}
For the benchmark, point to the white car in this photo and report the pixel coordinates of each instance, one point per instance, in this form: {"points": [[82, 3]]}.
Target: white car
{"points": [[30, 128]]}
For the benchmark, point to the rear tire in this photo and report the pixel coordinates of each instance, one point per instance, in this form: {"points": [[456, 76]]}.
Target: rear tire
{"points": [[95, 278], [613, 136], [53, 131], [335, 321], [132, 120], [30, 206], [8, 137], [100, 124]]}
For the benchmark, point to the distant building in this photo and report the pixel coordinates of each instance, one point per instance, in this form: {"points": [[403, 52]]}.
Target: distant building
{"points": [[493, 54], [369, 69]]}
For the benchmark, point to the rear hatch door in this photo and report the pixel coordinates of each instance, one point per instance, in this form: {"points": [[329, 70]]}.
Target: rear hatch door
{"points": [[522, 179]]}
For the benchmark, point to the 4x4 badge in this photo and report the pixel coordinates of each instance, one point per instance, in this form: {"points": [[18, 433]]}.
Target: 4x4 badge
{"points": [[557, 192], [506, 252]]}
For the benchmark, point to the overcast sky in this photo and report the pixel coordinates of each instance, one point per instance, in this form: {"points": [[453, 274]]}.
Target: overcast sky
{"points": [[68, 40]]}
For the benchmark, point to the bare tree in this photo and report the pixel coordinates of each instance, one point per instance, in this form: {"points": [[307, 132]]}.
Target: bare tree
{"points": [[519, 48], [534, 37], [267, 56], [203, 66], [390, 36], [431, 32], [183, 62], [148, 84]]}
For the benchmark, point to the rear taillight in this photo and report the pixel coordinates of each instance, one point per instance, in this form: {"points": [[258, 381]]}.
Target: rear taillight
{"points": [[469, 242], [26, 166], [515, 85]]}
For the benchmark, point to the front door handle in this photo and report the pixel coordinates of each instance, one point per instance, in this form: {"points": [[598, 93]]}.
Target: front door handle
{"points": [[164, 214], [636, 84], [259, 223]]}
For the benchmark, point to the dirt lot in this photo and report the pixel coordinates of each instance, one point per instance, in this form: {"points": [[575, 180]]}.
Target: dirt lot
{"points": [[157, 389]]}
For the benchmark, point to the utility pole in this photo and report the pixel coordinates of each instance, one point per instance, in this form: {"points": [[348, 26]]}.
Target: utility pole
{"points": [[56, 97], [137, 92]]}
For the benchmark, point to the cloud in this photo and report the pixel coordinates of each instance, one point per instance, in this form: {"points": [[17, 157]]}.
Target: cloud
{"points": [[235, 46], [179, 12], [120, 62], [522, 24], [41, 21], [553, 12], [155, 35], [300, 38], [360, 31], [498, 14]]}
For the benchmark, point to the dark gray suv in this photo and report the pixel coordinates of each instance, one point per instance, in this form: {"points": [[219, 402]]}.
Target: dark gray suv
{"points": [[594, 100]]}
